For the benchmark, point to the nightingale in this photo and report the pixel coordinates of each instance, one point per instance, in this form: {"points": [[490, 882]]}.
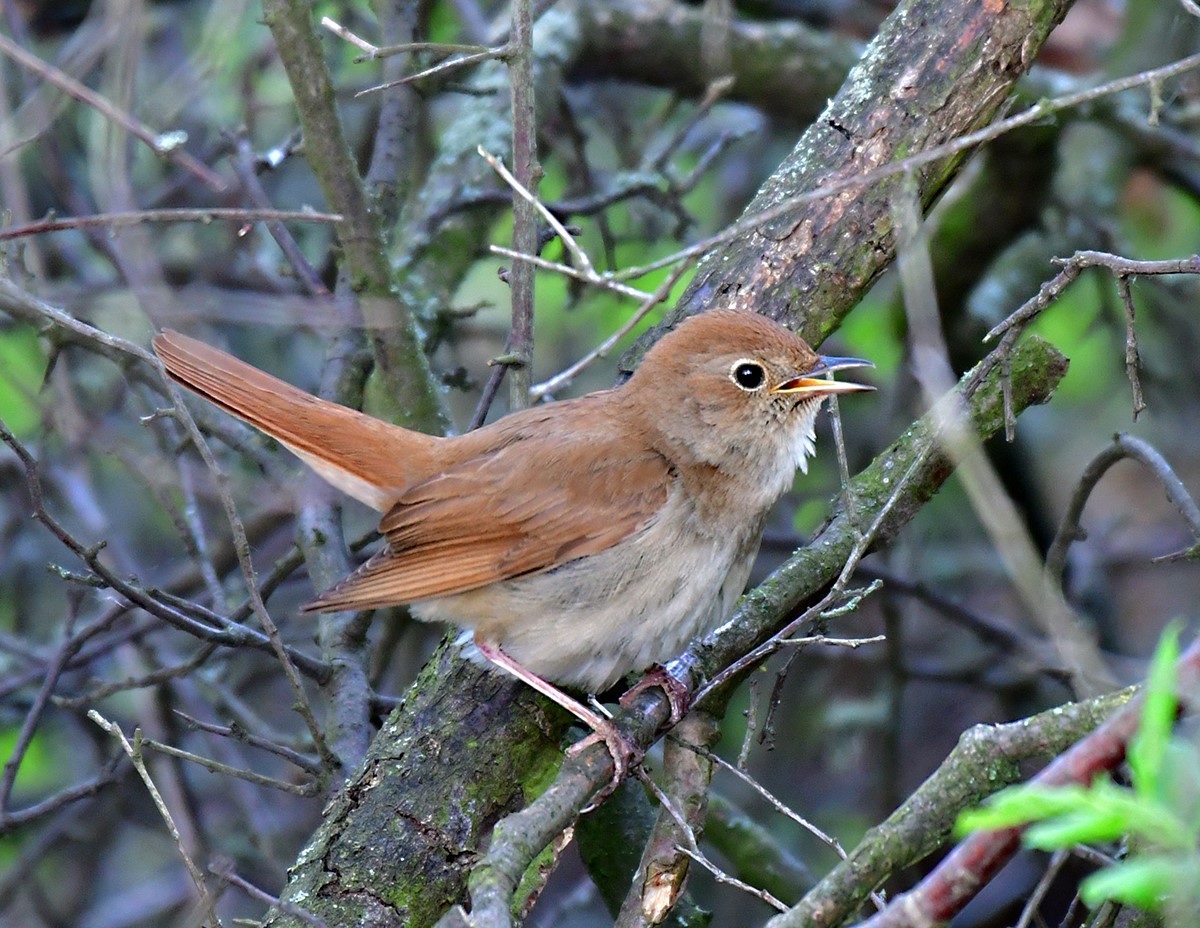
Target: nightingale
{"points": [[577, 540]]}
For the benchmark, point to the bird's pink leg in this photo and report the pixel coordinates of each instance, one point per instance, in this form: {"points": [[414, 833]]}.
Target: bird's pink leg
{"points": [[625, 753]]}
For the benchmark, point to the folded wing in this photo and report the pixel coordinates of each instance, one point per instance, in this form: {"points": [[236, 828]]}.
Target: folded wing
{"points": [[513, 511]]}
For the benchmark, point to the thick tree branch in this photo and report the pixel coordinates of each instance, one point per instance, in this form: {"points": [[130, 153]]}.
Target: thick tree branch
{"points": [[937, 69]]}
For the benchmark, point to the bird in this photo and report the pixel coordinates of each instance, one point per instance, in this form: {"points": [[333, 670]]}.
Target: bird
{"points": [[573, 541]]}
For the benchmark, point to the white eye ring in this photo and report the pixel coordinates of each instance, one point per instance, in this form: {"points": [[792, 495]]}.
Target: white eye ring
{"points": [[748, 375]]}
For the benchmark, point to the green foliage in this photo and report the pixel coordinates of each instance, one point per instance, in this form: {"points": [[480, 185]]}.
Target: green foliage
{"points": [[21, 369], [1158, 814]]}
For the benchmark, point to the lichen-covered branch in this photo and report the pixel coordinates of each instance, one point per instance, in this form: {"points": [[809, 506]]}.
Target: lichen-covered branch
{"points": [[936, 70]]}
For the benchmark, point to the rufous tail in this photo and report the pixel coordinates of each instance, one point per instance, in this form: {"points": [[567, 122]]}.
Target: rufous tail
{"points": [[369, 459]]}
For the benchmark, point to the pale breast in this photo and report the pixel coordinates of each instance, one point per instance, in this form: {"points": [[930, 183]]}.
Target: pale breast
{"points": [[590, 621]]}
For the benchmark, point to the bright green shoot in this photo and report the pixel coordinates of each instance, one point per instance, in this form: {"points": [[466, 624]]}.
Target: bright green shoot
{"points": [[1158, 815]]}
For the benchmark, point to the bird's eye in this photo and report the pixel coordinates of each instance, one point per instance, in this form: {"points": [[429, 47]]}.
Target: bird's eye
{"points": [[748, 375]]}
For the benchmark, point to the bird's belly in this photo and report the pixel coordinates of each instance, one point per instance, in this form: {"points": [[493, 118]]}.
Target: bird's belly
{"points": [[590, 621]]}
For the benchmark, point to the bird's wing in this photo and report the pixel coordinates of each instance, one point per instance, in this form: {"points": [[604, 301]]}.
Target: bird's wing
{"points": [[369, 459], [508, 512]]}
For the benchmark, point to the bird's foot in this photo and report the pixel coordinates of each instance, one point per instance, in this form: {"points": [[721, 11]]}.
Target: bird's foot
{"points": [[677, 693], [626, 755]]}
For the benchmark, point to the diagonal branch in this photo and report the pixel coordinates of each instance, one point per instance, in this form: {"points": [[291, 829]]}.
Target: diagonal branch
{"points": [[883, 505]]}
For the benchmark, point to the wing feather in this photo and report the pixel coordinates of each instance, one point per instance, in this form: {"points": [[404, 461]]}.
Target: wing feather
{"points": [[522, 508]]}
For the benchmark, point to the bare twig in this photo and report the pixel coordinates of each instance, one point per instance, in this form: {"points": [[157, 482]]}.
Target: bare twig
{"points": [[691, 848], [54, 671], [1123, 446], [137, 217], [237, 732], [1131, 346], [109, 773], [523, 192], [608, 281], [297, 789], [164, 144], [1029, 910], [660, 294], [451, 64], [779, 806], [243, 165], [1072, 266], [661, 875], [154, 678], [224, 869], [134, 752], [851, 643]]}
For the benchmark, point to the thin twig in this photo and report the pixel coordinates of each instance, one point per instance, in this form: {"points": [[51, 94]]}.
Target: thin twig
{"points": [[778, 805], [692, 849], [108, 774], [343, 33], [1123, 446], [139, 216], [164, 144], [296, 789], [451, 64], [751, 714], [239, 733], [134, 753], [851, 643], [243, 165], [1131, 345], [580, 256], [224, 869], [607, 281], [1029, 910], [154, 678], [371, 52], [37, 708], [660, 294], [1072, 267]]}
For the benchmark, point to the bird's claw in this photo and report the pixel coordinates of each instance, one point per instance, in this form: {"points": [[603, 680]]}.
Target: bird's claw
{"points": [[677, 693], [626, 755]]}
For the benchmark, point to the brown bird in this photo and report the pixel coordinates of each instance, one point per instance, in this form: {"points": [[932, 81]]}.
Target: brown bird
{"points": [[578, 540]]}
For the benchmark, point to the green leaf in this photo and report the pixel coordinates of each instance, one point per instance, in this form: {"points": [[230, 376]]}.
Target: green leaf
{"points": [[1019, 805], [1148, 746], [22, 366], [1087, 826], [1145, 881]]}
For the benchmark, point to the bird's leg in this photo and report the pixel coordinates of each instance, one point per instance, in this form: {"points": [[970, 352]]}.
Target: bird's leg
{"points": [[677, 693], [625, 753]]}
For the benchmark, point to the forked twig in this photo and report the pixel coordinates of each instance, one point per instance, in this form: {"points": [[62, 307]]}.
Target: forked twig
{"points": [[134, 753]]}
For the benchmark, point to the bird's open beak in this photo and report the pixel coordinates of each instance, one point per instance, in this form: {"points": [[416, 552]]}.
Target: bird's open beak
{"points": [[814, 382]]}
